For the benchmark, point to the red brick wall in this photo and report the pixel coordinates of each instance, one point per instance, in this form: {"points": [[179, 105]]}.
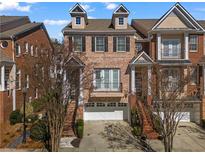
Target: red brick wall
{"points": [[37, 38]]}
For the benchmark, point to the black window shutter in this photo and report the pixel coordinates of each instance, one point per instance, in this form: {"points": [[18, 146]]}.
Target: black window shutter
{"points": [[127, 44], [84, 44], [106, 44], [93, 44], [114, 44], [70, 44]]}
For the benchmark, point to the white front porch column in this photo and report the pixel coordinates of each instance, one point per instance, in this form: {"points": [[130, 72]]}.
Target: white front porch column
{"points": [[204, 79], [133, 89], [159, 46], [149, 78], [186, 45], [3, 78], [14, 87], [80, 98]]}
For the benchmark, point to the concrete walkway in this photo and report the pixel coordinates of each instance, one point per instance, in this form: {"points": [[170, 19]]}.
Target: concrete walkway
{"points": [[95, 139], [189, 138]]}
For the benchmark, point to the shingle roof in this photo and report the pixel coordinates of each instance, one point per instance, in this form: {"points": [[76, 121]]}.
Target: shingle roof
{"points": [[5, 19], [98, 25], [4, 58], [18, 30]]}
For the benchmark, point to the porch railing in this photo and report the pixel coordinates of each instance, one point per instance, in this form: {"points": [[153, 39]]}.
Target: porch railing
{"points": [[107, 87]]}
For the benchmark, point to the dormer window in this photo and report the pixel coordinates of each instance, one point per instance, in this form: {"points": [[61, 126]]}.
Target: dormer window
{"points": [[77, 20], [121, 21]]}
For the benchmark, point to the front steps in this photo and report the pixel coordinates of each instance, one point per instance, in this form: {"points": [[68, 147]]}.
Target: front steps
{"points": [[68, 129], [148, 129]]}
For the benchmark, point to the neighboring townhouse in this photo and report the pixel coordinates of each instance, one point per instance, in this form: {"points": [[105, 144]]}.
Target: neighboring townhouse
{"points": [[176, 42], [108, 45], [123, 57], [20, 39]]}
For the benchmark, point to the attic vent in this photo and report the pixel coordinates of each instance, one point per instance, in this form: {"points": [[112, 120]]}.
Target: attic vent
{"points": [[4, 44]]}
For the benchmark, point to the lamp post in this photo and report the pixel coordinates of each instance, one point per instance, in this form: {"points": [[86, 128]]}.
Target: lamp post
{"points": [[24, 90]]}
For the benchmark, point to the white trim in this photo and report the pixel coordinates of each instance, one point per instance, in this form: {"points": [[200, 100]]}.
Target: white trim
{"points": [[190, 16], [133, 88], [115, 12], [77, 5], [3, 78], [14, 89], [149, 74], [80, 98], [175, 6], [141, 55], [186, 44], [159, 46]]}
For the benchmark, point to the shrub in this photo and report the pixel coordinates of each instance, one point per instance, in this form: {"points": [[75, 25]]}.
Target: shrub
{"points": [[15, 117], [80, 128], [39, 131], [31, 118], [28, 109], [157, 124], [137, 131], [37, 105]]}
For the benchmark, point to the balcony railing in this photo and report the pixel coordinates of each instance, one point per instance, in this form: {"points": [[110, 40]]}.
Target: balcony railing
{"points": [[107, 87]]}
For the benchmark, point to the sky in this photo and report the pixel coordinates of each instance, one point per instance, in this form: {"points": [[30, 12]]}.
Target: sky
{"points": [[55, 15]]}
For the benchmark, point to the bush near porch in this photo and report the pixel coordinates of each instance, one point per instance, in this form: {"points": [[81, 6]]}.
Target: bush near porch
{"points": [[79, 128]]}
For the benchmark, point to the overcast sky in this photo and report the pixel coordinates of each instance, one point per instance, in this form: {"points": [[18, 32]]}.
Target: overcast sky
{"points": [[56, 15]]}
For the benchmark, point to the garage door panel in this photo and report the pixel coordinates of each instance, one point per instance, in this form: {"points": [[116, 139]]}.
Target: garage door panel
{"points": [[106, 113]]}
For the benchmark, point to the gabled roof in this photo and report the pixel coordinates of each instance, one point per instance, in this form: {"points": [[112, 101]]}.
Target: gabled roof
{"points": [[77, 9], [142, 58], [121, 9], [184, 13], [75, 61]]}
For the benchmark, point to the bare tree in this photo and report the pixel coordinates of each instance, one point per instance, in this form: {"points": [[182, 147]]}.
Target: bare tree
{"points": [[53, 76], [168, 102]]}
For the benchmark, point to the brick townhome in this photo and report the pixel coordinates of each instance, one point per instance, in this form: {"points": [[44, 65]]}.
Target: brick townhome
{"points": [[119, 51], [19, 38]]}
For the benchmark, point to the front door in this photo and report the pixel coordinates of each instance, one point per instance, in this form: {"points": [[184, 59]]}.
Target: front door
{"points": [[138, 83]]}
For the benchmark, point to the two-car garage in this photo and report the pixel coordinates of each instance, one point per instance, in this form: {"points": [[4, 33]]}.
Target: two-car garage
{"points": [[106, 111]]}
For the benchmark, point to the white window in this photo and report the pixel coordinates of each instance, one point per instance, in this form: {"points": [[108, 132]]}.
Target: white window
{"points": [[18, 79], [193, 43], [78, 20], [107, 80], [171, 79], [121, 21], [27, 81], [121, 44], [36, 52], [36, 93], [18, 50], [138, 46], [99, 43], [32, 50], [26, 47], [193, 75], [171, 48], [78, 43]]}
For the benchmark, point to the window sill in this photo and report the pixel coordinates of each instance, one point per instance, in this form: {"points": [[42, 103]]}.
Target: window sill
{"points": [[193, 51]]}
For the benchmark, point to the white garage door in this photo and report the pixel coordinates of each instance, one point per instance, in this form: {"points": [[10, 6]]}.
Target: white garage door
{"points": [[185, 116], [106, 111]]}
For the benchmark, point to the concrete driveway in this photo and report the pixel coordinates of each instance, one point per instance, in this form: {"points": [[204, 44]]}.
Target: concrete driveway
{"points": [[189, 138], [96, 138]]}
